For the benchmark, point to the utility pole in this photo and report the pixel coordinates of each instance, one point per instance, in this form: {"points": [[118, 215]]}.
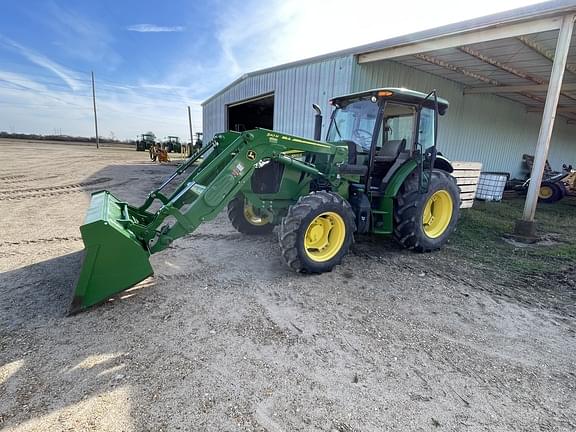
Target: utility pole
{"points": [[191, 134], [190, 124], [95, 116]]}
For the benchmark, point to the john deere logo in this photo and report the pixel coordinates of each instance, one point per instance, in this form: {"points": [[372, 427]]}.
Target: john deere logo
{"points": [[251, 155]]}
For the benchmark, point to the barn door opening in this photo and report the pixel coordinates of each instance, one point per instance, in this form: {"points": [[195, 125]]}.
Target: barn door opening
{"points": [[253, 113]]}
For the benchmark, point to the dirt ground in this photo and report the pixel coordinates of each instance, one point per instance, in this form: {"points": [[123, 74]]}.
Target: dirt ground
{"points": [[226, 338]]}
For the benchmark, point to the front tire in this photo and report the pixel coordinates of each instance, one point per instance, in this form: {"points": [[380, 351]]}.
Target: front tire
{"points": [[424, 221], [246, 219], [550, 192], [317, 232]]}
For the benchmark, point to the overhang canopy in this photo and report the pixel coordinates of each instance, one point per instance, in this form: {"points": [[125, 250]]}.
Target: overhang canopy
{"points": [[511, 56]]}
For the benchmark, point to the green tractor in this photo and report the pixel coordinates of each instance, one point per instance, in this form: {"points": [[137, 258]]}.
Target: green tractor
{"points": [[378, 172], [172, 144], [145, 141]]}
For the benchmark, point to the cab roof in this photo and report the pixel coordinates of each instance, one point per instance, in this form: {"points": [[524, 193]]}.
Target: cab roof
{"points": [[399, 95]]}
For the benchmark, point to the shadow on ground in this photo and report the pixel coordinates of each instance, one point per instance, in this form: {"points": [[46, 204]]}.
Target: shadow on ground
{"points": [[39, 291]]}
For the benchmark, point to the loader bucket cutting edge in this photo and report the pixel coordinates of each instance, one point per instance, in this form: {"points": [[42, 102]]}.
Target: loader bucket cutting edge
{"points": [[114, 259]]}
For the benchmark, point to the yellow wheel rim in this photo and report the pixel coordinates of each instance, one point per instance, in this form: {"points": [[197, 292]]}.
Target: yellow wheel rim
{"points": [[545, 192], [324, 236], [437, 213], [252, 217]]}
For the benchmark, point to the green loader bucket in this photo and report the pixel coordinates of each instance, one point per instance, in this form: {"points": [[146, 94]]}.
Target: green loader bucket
{"points": [[114, 259]]}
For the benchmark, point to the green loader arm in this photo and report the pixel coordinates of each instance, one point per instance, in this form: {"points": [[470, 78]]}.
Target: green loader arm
{"points": [[119, 237]]}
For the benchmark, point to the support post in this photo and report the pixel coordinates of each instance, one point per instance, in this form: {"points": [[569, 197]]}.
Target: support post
{"points": [[525, 227], [95, 116]]}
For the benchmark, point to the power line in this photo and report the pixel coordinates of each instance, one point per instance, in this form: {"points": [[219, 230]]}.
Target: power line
{"points": [[44, 82], [29, 89], [175, 106], [104, 87], [32, 90], [76, 93], [21, 104], [102, 81], [86, 79], [47, 75], [103, 114]]}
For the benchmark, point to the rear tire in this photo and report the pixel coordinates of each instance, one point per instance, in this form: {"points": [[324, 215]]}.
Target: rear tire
{"points": [[424, 222], [245, 219], [317, 232]]}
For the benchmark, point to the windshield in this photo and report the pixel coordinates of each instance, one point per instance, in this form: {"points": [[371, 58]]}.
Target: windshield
{"points": [[354, 122]]}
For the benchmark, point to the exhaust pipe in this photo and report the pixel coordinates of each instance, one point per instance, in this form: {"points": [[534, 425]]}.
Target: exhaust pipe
{"points": [[317, 123]]}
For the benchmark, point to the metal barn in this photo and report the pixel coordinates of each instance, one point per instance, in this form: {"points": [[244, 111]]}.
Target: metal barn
{"points": [[510, 79]]}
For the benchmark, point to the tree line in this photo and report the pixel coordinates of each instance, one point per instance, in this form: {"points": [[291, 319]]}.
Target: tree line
{"points": [[9, 135]]}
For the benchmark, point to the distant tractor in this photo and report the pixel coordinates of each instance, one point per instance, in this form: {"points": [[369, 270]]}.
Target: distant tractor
{"points": [[198, 144], [172, 144], [145, 141]]}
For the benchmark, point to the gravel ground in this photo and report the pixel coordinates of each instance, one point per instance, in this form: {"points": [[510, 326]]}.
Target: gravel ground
{"points": [[225, 337]]}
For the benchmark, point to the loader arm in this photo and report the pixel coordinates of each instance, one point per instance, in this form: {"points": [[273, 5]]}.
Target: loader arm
{"points": [[207, 190], [119, 237]]}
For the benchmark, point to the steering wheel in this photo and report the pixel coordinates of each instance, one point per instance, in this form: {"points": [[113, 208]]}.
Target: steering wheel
{"points": [[364, 137]]}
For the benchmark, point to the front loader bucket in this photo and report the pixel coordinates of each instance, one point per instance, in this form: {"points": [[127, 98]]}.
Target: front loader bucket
{"points": [[114, 259]]}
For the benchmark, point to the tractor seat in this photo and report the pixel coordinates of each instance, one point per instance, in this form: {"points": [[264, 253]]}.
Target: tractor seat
{"points": [[390, 150], [352, 167], [353, 150]]}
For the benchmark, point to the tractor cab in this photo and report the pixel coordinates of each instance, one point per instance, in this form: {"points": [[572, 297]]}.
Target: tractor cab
{"points": [[384, 128]]}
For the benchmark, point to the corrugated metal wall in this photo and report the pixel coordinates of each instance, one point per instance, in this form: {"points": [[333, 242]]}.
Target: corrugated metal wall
{"points": [[484, 128], [295, 89]]}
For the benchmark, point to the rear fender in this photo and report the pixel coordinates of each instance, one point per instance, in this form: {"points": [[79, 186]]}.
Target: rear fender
{"points": [[443, 164], [399, 177]]}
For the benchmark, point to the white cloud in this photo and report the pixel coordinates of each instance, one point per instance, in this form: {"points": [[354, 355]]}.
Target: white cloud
{"points": [[41, 60], [153, 28], [279, 31]]}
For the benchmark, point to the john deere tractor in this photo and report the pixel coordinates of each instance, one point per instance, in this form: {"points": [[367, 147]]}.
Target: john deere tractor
{"points": [[378, 172], [172, 144], [145, 141]]}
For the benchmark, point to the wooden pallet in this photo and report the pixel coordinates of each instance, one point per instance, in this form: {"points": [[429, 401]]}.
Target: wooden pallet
{"points": [[467, 175]]}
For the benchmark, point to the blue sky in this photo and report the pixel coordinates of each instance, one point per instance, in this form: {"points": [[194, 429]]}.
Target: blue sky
{"points": [[152, 59]]}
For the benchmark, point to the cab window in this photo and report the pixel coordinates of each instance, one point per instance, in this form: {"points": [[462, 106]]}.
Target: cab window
{"points": [[354, 122], [398, 124], [426, 128]]}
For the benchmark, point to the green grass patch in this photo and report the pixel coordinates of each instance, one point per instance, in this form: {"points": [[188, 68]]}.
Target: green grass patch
{"points": [[480, 238]]}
